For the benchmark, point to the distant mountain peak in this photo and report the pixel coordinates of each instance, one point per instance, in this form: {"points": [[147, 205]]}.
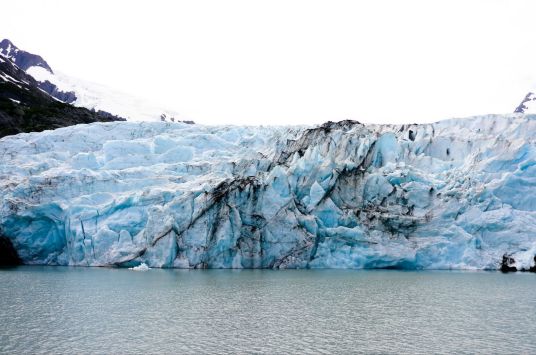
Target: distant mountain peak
{"points": [[82, 93], [528, 104], [25, 106], [21, 58]]}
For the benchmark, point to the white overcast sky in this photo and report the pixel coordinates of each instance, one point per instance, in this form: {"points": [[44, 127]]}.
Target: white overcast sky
{"points": [[292, 62]]}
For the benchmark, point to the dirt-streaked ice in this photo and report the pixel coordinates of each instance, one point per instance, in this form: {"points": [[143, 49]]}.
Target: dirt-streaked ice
{"points": [[456, 194]]}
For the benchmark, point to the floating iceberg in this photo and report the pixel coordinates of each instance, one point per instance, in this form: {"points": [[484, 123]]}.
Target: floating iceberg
{"points": [[141, 267], [457, 194]]}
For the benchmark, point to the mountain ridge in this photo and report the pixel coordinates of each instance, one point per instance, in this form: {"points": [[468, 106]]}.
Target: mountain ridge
{"points": [[26, 107], [21, 58], [83, 93], [527, 105]]}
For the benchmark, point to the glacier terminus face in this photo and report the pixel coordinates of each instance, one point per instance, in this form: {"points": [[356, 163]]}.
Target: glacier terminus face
{"points": [[457, 194]]}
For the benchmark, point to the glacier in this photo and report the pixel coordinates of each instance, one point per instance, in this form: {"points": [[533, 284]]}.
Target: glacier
{"points": [[456, 194], [94, 96]]}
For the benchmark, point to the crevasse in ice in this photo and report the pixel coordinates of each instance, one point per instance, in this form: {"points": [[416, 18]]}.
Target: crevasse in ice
{"points": [[457, 194]]}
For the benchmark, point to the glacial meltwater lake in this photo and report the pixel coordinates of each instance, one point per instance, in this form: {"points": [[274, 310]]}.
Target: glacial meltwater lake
{"points": [[117, 311]]}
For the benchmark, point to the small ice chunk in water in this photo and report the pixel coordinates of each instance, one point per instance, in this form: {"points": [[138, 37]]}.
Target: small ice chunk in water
{"points": [[141, 267]]}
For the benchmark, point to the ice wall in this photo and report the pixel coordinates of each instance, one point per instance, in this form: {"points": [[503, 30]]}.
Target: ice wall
{"points": [[457, 194]]}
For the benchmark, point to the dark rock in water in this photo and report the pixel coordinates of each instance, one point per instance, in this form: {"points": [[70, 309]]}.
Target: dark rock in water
{"points": [[533, 267], [507, 264], [8, 254]]}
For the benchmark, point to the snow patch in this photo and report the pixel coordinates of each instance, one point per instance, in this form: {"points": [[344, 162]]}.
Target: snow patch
{"points": [[41, 74]]}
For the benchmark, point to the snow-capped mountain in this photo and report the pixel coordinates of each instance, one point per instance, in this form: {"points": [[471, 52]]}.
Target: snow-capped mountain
{"points": [[22, 59], [528, 104], [28, 61], [457, 194], [26, 107], [84, 93]]}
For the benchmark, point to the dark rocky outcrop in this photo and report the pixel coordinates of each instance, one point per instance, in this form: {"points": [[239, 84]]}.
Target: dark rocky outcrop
{"points": [[51, 89], [533, 267], [8, 254], [522, 108], [164, 118], [22, 59], [508, 264], [25, 107], [25, 60]]}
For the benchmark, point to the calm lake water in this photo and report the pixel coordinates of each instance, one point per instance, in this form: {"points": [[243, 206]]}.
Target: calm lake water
{"points": [[100, 310]]}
